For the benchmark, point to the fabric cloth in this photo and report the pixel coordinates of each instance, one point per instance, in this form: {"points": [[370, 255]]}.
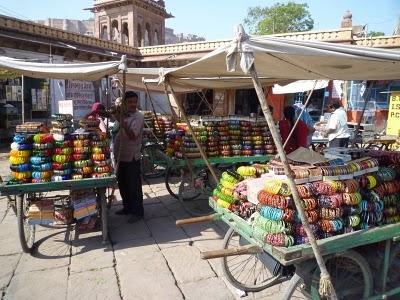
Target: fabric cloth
{"points": [[306, 118], [127, 149], [298, 138], [338, 123], [339, 142], [130, 186]]}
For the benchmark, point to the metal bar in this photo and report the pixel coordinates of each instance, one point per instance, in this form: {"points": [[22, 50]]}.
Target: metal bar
{"points": [[386, 262], [104, 216], [202, 153], [367, 98], [261, 97], [154, 110], [301, 113], [174, 116], [23, 98]]}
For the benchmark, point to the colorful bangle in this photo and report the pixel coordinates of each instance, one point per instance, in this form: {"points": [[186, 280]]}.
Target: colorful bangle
{"points": [[18, 160]]}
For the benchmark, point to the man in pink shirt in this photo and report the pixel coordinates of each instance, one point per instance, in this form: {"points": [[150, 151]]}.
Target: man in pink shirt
{"points": [[127, 152]]}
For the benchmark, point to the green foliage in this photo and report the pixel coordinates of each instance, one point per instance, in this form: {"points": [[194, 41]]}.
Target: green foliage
{"points": [[376, 33], [279, 18]]}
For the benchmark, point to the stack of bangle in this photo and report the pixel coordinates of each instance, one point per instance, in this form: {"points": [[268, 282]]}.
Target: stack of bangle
{"points": [[325, 187], [311, 215], [330, 213], [309, 203], [279, 240], [331, 225], [277, 187], [331, 201], [277, 201], [300, 231], [277, 214], [21, 168], [386, 174], [244, 209], [42, 167], [270, 226], [352, 198], [23, 139]]}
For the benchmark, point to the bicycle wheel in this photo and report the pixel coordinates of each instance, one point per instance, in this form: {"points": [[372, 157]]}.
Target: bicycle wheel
{"points": [[26, 232], [252, 272], [153, 161], [350, 274], [297, 289], [173, 180]]}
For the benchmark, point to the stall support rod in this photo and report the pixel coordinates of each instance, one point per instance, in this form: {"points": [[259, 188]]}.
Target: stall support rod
{"points": [[326, 288], [154, 110], [299, 117], [367, 98], [23, 98], [202, 153]]}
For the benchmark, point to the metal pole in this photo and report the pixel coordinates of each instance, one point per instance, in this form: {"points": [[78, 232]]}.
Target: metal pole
{"points": [[301, 113], [202, 153], [367, 98], [326, 287], [23, 98]]}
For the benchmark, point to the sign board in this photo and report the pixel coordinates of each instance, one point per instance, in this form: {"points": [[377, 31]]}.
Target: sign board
{"points": [[393, 123], [66, 107], [82, 95], [337, 90]]}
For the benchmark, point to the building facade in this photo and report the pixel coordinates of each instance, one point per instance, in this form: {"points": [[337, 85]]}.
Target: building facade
{"points": [[137, 23]]}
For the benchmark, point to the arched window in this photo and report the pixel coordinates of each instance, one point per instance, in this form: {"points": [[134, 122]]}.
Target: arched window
{"points": [[156, 39], [114, 31], [139, 35], [125, 34], [104, 32], [147, 41]]}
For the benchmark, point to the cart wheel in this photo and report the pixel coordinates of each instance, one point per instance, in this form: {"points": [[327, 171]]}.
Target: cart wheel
{"points": [[351, 276], [297, 289], [393, 276], [153, 161], [250, 273], [26, 232], [173, 180]]}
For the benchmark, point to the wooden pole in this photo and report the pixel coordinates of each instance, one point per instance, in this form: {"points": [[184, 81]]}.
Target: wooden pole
{"points": [[241, 250], [154, 112], [326, 287], [202, 153], [301, 113], [174, 116], [196, 220], [23, 98]]}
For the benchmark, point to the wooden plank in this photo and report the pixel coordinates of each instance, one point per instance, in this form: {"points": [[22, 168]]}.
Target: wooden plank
{"points": [[242, 250], [335, 244], [87, 183]]}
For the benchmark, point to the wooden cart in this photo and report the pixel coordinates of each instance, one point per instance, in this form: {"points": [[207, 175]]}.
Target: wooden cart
{"points": [[22, 194], [363, 264]]}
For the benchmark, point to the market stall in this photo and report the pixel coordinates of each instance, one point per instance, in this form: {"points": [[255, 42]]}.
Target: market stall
{"points": [[268, 60], [62, 159]]}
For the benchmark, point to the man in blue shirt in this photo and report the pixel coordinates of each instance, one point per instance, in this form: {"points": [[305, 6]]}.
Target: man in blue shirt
{"points": [[306, 118]]}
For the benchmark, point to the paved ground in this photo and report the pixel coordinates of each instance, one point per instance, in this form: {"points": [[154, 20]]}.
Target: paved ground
{"points": [[152, 259]]}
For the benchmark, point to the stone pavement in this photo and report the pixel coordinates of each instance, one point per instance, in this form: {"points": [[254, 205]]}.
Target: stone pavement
{"points": [[152, 259]]}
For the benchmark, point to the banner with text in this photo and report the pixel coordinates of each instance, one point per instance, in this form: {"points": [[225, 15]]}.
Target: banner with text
{"points": [[393, 123], [82, 95]]}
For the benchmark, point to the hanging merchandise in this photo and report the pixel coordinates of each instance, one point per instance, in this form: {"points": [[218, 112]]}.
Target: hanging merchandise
{"points": [[100, 155]]}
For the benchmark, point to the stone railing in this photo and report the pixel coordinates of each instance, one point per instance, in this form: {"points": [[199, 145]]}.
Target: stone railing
{"points": [[182, 48], [336, 35], [62, 35], [380, 42]]}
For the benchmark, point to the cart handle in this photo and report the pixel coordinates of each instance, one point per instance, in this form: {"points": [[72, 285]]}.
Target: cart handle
{"points": [[242, 250], [195, 220]]}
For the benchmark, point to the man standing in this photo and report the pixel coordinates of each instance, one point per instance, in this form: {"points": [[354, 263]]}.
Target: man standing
{"points": [[336, 129], [128, 146]]}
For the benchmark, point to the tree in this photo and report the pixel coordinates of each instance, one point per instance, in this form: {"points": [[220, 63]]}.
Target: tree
{"points": [[279, 18], [376, 33]]}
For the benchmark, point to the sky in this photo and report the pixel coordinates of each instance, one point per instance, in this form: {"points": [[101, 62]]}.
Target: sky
{"points": [[215, 19]]}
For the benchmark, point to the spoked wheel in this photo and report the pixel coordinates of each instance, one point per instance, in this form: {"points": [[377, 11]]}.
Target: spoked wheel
{"points": [[393, 276], [153, 161], [26, 232], [195, 190], [252, 272], [351, 276], [297, 289], [173, 180]]}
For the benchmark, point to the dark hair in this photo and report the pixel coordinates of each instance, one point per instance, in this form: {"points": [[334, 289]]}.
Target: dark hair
{"points": [[335, 105], [271, 109], [131, 94], [289, 113]]}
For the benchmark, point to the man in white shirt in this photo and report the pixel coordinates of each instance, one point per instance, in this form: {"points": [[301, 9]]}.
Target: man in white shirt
{"points": [[336, 129]]}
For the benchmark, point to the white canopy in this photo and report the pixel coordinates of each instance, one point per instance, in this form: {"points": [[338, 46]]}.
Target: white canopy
{"points": [[83, 71], [153, 77], [280, 60], [300, 86]]}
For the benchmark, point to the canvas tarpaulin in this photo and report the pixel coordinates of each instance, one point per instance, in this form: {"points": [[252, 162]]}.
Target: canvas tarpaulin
{"points": [[300, 86], [74, 71], [281, 61]]}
